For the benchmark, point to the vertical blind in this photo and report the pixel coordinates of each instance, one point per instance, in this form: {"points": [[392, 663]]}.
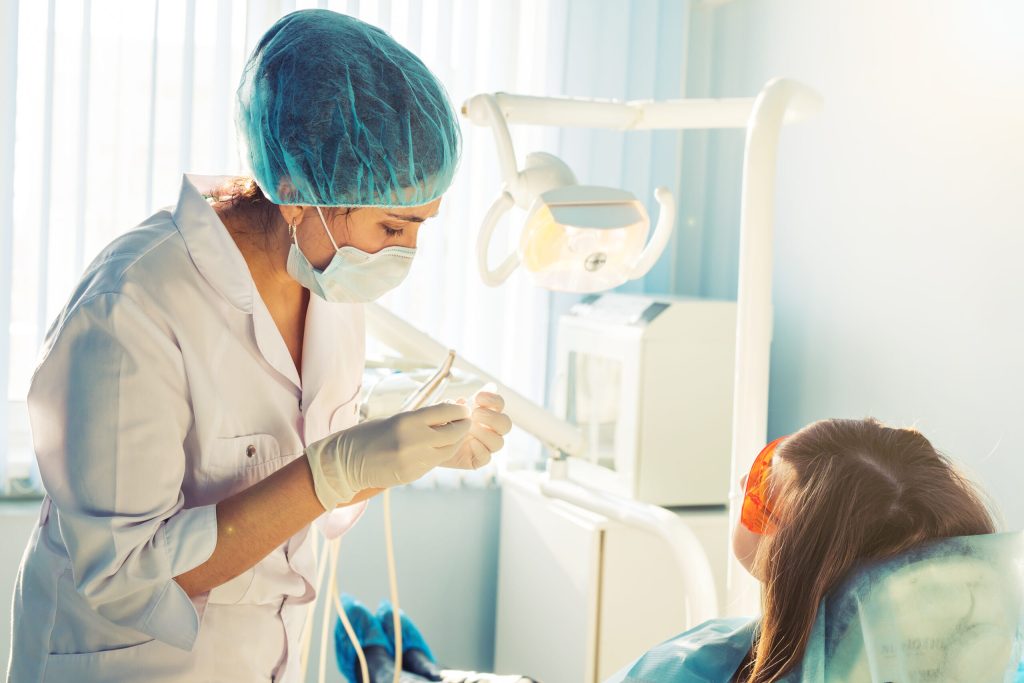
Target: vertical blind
{"points": [[105, 103]]}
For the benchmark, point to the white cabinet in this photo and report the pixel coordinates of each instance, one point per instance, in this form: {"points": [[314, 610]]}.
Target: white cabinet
{"points": [[649, 382], [579, 595]]}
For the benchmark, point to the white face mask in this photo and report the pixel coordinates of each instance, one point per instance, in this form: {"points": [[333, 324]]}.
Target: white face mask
{"points": [[353, 275]]}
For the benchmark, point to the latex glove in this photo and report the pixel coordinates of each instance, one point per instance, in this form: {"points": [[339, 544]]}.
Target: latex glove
{"points": [[384, 453], [486, 435]]}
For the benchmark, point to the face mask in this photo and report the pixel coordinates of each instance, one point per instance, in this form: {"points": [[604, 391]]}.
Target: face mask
{"points": [[353, 275]]}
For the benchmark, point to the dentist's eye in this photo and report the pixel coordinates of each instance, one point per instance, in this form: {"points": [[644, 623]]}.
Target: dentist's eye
{"points": [[393, 232]]}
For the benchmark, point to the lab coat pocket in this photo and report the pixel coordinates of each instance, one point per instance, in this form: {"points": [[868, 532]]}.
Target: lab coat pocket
{"points": [[232, 592], [236, 463], [243, 453], [158, 661]]}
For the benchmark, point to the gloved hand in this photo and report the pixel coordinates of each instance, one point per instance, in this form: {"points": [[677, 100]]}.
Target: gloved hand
{"points": [[486, 435], [384, 453]]}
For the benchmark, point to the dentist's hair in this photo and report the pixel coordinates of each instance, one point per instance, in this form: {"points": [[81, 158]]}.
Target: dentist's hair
{"points": [[240, 198], [848, 491]]}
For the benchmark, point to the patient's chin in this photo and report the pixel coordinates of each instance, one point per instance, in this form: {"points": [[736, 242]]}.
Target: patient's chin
{"points": [[744, 547]]}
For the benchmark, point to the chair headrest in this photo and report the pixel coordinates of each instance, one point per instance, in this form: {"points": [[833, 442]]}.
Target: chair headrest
{"points": [[947, 611]]}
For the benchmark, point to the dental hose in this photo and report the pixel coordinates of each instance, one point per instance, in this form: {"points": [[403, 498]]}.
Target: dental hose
{"points": [[393, 589], [364, 670], [325, 625], [427, 391], [396, 611]]}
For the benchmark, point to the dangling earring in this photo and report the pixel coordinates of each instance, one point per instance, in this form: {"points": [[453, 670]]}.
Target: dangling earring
{"points": [[291, 230]]}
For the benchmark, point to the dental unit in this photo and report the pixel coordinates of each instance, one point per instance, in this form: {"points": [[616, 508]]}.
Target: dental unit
{"points": [[587, 239]]}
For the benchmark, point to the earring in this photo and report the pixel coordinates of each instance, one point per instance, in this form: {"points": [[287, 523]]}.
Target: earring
{"points": [[291, 230]]}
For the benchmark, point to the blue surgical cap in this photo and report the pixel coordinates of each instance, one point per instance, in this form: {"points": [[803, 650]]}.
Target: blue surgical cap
{"points": [[334, 112]]}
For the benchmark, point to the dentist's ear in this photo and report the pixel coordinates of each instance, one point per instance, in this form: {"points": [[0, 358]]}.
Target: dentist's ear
{"points": [[292, 215]]}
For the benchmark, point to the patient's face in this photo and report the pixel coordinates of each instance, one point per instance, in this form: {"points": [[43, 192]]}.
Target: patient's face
{"points": [[745, 543]]}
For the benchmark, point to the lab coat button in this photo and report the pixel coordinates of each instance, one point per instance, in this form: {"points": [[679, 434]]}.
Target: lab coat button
{"points": [[250, 450]]}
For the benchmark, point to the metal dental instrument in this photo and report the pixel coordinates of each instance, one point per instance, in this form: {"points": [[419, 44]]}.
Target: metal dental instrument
{"points": [[429, 390]]}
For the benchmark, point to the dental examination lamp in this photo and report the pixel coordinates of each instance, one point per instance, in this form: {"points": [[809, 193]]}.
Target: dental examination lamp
{"points": [[577, 238], [587, 238]]}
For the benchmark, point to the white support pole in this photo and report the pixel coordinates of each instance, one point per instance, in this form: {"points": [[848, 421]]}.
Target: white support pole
{"points": [[754, 307]]}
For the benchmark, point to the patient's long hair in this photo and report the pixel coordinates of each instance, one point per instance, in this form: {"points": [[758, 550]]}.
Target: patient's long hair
{"points": [[851, 490]]}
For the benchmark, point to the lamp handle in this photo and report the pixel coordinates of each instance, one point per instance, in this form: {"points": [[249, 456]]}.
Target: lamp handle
{"points": [[495, 277], [662, 233]]}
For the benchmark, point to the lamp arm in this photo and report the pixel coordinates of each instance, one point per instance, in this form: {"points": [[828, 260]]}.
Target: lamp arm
{"points": [[414, 344], [485, 110], [662, 234], [677, 114], [495, 277]]}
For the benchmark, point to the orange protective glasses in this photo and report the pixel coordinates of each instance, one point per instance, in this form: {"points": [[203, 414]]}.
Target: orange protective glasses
{"points": [[756, 514]]}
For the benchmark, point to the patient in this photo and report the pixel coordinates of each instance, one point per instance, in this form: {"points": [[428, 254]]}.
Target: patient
{"points": [[833, 497], [834, 494]]}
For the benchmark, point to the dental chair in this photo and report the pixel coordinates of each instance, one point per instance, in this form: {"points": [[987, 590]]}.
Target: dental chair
{"points": [[947, 612]]}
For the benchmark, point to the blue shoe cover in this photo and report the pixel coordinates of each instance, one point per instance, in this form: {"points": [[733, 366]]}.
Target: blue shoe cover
{"points": [[412, 639], [368, 631]]}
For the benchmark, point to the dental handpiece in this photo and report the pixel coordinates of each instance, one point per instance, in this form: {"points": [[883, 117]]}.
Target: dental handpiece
{"points": [[428, 391]]}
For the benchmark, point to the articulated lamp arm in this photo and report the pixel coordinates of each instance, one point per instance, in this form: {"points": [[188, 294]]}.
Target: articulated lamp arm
{"points": [[662, 233], [415, 344], [497, 276]]}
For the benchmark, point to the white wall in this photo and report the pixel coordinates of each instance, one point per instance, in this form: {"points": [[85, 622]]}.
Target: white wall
{"points": [[900, 217]]}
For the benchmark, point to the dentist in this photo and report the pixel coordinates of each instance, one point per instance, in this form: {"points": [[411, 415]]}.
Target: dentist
{"points": [[194, 409]]}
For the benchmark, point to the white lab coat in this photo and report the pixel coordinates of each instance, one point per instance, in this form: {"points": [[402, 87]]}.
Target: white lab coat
{"points": [[164, 386]]}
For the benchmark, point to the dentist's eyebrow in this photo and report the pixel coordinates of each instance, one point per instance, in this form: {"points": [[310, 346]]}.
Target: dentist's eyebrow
{"points": [[411, 219]]}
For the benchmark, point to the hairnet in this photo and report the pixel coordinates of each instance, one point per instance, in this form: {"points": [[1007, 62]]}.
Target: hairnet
{"points": [[334, 112]]}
